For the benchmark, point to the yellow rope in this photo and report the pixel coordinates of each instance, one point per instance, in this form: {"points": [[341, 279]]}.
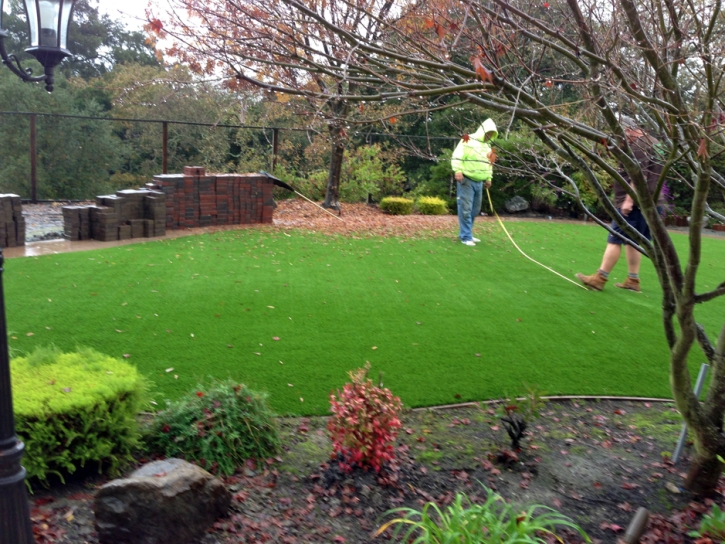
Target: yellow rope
{"points": [[522, 253]]}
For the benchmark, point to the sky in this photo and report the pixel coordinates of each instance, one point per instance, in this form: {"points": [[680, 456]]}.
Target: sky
{"points": [[131, 12]]}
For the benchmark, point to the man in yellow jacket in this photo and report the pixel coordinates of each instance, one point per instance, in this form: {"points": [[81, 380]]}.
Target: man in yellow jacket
{"points": [[472, 164]]}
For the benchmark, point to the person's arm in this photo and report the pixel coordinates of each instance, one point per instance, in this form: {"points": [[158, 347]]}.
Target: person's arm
{"points": [[457, 161], [491, 156], [627, 205]]}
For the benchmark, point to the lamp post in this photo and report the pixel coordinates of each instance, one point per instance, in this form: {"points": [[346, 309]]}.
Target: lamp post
{"points": [[48, 22]]}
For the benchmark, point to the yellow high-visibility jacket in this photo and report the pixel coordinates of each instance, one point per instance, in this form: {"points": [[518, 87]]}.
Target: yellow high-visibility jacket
{"points": [[471, 157]]}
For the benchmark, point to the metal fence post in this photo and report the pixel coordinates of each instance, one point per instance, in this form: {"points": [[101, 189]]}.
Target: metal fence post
{"points": [[165, 144], [33, 162], [275, 147]]}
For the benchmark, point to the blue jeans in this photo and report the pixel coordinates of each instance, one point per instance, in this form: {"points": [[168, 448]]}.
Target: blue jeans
{"points": [[468, 195]]}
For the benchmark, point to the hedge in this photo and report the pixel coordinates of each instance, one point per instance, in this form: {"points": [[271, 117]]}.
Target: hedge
{"points": [[75, 408], [396, 205]]}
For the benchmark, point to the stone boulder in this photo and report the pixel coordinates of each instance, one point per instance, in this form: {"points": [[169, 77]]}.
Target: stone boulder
{"points": [[516, 204], [164, 502]]}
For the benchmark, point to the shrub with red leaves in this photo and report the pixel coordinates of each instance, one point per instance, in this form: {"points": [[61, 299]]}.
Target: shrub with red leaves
{"points": [[365, 421]]}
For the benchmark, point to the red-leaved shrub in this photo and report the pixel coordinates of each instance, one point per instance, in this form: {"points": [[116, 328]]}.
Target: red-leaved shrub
{"points": [[365, 421]]}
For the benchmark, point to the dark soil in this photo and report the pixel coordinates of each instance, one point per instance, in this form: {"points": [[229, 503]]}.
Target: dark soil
{"points": [[595, 461]]}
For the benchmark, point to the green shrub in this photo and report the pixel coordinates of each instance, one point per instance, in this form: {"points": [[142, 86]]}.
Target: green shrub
{"points": [[431, 205], [75, 408], [494, 521], [712, 526], [217, 427], [396, 205]]}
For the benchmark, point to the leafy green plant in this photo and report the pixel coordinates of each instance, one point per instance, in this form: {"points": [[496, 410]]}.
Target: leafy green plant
{"points": [[75, 408], [364, 423], [431, 205], [712, 525], [218, 427], [396, 205], [463, 522], [369, 170]]}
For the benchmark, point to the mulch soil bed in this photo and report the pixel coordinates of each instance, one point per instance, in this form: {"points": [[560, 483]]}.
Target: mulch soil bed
{"points": [[596, 461]]}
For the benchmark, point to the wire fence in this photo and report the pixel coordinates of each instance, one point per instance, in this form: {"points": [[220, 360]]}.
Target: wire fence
{"points": [[51, 156]]}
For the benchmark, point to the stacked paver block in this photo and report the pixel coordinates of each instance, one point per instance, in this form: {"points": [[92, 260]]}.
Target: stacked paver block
{"points": [[196, 199], [127, 214], [177, 201], [12, 223]]}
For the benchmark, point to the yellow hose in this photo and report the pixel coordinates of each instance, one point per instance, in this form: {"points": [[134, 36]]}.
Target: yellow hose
{"points": [[520, 251]]}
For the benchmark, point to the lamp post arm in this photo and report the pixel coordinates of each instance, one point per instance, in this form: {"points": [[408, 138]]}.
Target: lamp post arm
{"points": [[12, 62]]}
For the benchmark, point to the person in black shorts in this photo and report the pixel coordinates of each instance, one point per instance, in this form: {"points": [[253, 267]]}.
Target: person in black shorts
{"points": [[645, 150]]}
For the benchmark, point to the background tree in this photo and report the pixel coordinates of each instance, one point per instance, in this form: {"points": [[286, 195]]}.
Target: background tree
{"points": [[660, 61], [281, 50]]}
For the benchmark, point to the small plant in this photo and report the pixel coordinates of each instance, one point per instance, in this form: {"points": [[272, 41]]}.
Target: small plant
{"points": [[516, 413], [365, 421], [431, 205], [712, 526], [396, 205], [463, 522], [218, 427]]}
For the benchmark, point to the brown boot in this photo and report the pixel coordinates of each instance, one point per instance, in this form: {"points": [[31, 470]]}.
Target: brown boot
{"points": [[630, 283], [595, 282]]}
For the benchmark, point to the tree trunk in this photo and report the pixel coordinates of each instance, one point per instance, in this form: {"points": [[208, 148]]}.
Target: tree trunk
{"points": [[703, 475], [332, 197]]}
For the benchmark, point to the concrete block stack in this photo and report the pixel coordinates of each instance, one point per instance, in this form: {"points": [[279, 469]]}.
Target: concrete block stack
{"points": [[196, 199], [188, 200], [76, 223], [127, 214], [12, 223]]}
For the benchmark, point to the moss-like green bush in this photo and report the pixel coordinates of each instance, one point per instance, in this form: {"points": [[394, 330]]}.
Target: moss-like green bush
{"points": [[218, 427], [75, 408], [431, 205], [396, 205]]}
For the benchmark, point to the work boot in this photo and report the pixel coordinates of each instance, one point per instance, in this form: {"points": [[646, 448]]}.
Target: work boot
{"points": [[596, 281], [630, 283]]}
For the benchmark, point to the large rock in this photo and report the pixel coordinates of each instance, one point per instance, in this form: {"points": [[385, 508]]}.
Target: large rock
{"points": [[516, 204], [164, 502]]}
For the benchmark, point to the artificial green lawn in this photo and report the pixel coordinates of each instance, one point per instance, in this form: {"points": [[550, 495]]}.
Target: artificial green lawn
{"points": [[445, 322]]}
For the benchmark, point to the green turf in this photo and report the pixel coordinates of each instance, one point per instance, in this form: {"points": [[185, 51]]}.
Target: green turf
{"points": [[446, 322]]}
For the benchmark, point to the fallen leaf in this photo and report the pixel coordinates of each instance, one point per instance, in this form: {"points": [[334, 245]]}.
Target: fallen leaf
{"points": [[611, 526], [672, 488], [272, 307], [126, 355], [30, 334], [702, 149], [375, 347], [170, 369]]}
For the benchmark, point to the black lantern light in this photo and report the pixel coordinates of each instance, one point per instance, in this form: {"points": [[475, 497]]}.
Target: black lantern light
{"points": [[48, 22]]}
